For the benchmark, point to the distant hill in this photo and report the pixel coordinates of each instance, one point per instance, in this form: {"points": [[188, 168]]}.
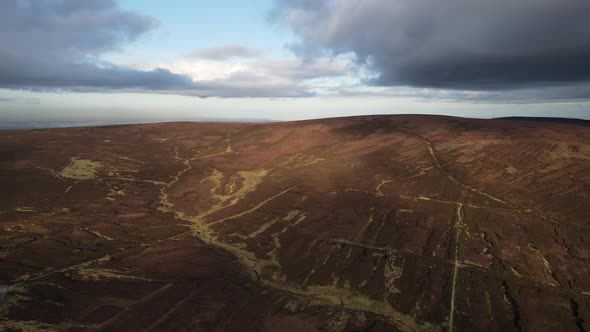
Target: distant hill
{"points": [[548, 119]]}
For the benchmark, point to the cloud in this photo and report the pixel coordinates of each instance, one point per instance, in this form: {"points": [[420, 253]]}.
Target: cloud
{"points": [[260, 77], [226, 52], [518, 96], [56, 44], [29, 101], [451, 44]]}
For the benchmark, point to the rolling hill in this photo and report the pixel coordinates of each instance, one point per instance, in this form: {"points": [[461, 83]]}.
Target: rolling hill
{"points": [[376, 223]]}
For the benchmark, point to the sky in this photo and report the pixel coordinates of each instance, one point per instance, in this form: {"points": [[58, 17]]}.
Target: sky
{"points": [[91, 62]]}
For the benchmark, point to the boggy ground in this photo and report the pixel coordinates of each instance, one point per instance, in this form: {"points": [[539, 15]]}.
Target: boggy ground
{"points": [[380, 223]]}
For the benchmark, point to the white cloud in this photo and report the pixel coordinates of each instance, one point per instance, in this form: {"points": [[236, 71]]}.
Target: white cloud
{"points": [[260, 77], [226, 52]]}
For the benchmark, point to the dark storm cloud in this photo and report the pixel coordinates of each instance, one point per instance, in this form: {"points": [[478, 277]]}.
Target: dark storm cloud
{"points": [[51, 73], [452, 44], [56, 44], [226, 52]]}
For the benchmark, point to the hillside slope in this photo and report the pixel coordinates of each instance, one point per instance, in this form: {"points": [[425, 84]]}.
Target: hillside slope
{"points": [[379, 223]]}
